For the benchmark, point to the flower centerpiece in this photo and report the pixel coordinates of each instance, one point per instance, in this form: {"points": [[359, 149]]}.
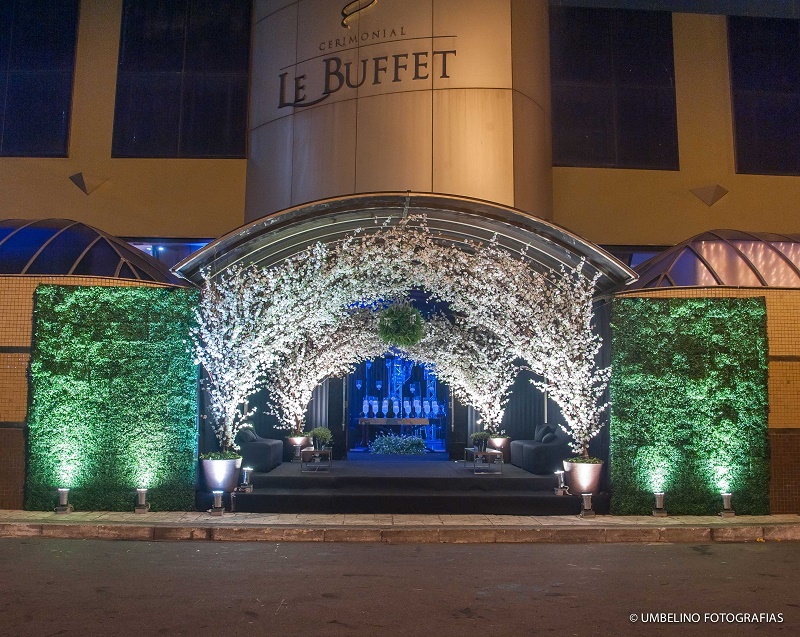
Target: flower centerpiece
{"points": [[394, 444]]}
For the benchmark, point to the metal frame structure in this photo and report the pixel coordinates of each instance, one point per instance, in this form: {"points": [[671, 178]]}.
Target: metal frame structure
{"points": [[454, 220]]}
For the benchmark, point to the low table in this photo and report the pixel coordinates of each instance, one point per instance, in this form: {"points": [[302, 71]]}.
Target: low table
{"points": [[315, 459], [489, 461]]}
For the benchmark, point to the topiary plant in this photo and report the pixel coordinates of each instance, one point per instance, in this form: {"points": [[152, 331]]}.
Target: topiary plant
{"points": [[323, 434]]}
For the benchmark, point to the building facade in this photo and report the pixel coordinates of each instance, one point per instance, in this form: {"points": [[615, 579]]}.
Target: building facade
{"points": [[178, 122], [163, 193]]}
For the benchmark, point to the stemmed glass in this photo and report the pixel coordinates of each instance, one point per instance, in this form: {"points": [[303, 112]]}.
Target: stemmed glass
{"points": [[378, 386]]}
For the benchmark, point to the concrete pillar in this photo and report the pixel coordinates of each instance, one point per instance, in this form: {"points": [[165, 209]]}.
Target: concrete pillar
{"points": [[443, 96]]}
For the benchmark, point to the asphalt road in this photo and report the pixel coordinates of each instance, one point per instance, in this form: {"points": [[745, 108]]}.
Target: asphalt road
{"points": [[85, 587]]}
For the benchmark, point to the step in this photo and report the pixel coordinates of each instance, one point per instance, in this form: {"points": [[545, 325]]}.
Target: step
{"points": [[366, 500]]}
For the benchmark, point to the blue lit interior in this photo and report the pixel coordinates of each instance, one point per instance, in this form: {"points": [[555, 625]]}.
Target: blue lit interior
{"points": [[389, 390], [170, 252]]}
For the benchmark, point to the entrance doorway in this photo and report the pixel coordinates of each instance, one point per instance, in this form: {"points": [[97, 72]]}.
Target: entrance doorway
{"points": [[396, 406]]}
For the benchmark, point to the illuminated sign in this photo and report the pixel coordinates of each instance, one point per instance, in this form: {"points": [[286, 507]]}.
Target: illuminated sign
{"points": [[350, 65], [352, 9]]}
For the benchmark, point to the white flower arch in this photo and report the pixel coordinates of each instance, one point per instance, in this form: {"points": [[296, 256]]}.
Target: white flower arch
{"points": [[312, 316]]}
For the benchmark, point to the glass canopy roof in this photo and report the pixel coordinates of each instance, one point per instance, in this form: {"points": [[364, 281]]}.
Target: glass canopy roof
{"points": [[725, 258], [63, 247], [454, 220]]}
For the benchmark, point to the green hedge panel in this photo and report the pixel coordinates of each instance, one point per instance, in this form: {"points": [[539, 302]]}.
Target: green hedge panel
{"points": [[689, 405], [113, 398]]}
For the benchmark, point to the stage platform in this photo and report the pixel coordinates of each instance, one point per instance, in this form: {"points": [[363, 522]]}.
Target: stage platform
{"points": [[405, 486]]}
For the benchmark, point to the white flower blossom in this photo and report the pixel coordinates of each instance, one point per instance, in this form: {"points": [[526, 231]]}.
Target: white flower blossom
{"points": [[291, 326]]}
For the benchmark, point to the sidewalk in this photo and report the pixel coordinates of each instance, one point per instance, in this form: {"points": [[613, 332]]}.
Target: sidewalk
{"points": [[397, 529]]}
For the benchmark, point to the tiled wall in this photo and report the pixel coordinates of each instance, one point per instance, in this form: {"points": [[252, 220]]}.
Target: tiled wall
{"points": [[12, 467], [785, 481], [16, 314], [783, 331], [13, 387]]}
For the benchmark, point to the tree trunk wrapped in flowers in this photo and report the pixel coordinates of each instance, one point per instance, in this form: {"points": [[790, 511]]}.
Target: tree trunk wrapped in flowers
{"points": [[314, 315]]}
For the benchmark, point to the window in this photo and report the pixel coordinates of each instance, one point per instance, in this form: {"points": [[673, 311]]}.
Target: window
{"points": [[182, 79], [765, 82], [170, 252], [37, 62], [613, 86]]}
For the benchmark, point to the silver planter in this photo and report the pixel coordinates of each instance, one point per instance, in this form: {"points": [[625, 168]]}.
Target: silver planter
{"points": [[221, 475], [582, 477]]}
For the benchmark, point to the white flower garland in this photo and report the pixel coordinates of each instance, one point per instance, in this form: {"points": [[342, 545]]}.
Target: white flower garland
{"points": [[313, 316]]}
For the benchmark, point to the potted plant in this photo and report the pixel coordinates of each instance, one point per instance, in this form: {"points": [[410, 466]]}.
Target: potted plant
{"points": [[583, 472], [480, 438], [321, 436], [220, 470]]}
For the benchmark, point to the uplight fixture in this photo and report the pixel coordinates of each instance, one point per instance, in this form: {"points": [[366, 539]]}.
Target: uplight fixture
{"points": [[727, 508], [142, 505], [297, 442], [586, 510], [63, 502], [561, 489], [659, 511], [217, 509], [245, 486]]}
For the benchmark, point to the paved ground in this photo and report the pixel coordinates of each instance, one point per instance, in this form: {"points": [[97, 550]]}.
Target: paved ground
{"points": [[395, 529], [78, 588]]}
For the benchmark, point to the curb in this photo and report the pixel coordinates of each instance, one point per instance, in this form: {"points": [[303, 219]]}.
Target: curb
{"points": [[408, 535]]}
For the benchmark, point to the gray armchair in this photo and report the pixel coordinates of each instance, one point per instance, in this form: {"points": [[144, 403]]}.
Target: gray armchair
{"points": [[260, 454], [545, 453]]}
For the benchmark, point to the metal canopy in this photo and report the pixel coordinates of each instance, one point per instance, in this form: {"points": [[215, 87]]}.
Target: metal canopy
{"points": [[47, 247], [730, 258], [455, 220]]}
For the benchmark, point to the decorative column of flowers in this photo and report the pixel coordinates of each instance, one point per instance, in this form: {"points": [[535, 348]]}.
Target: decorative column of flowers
{"points": [[229, 317], [572, 379]]}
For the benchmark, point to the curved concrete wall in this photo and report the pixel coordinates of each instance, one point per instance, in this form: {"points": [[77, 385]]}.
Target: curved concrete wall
{"points": [[445, 96]]}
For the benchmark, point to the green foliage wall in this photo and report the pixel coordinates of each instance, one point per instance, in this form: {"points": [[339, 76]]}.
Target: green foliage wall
{"points": [[113, 398], [689, 405]]}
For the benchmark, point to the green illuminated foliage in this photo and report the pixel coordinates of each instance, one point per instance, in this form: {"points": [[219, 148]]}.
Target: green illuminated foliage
{"points": [[113, 398], [401, 324], [689, 394]]}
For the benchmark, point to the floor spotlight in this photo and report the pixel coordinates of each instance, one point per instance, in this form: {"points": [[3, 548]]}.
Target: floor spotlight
{"points": [[217, 509], [561, 489], [63, 502], [586, 506], [245, 486], [297, 443], [142, 505], [659, 511], [727, 508]]}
